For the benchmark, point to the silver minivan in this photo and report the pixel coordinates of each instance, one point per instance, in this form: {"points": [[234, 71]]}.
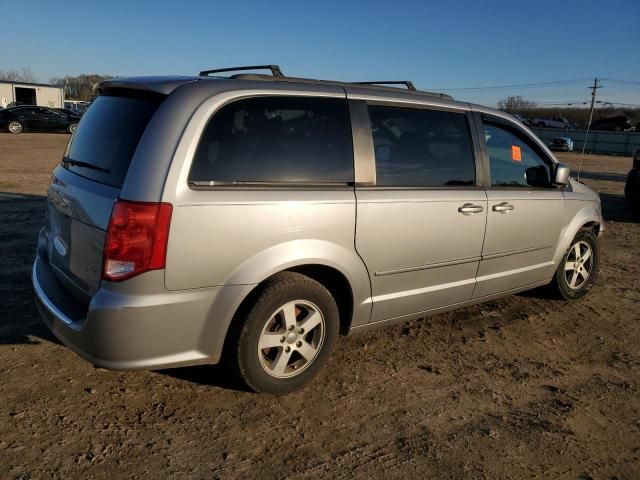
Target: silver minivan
{"points": [[253, 218]]}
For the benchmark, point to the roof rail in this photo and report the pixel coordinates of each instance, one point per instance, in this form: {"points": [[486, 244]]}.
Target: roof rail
{"points": [[407, 83], [275, 70]]}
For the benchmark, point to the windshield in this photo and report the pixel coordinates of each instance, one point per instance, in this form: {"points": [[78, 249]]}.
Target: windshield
{"points": [[107, 137]]}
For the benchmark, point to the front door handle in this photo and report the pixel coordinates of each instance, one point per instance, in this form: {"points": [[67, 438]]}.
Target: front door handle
{"points": [[470, 209], [503, 207]]}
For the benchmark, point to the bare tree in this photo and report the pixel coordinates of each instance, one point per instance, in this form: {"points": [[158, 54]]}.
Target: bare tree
{"points": [[515, 104], [81, 87], [22, 75]]}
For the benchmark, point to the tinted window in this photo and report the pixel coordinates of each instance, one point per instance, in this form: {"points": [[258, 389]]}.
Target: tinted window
{"points": [[25, 111], [513, 161], [107, 137], [421, 148], [276, 139]]}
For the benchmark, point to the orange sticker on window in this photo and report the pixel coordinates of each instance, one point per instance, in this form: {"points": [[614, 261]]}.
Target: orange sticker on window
{"points": [[516, 153]]}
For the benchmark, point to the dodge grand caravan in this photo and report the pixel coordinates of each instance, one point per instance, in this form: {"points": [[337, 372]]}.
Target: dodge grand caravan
{"points": [[254, 218]]}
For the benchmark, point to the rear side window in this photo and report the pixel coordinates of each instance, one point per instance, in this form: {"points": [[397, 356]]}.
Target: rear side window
{"points": [[421, 148], [513, 162], [107, 137], [276, 139]]}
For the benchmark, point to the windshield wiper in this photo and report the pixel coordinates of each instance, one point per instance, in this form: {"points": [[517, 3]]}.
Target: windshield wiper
{"points": [[79, 163]]}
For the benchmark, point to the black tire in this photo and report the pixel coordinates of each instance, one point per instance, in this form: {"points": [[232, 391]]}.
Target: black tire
{"points": [[561, 283], [17, 130], [261, 311], [72, 128]]}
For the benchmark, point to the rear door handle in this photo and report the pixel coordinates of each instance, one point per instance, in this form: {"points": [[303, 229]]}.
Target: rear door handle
{"points": [[470, 209], [503, 207]]}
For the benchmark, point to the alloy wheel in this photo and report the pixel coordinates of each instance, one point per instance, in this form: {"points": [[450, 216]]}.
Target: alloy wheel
{"points": [[15, 127], [579, 265], [291, 339]]}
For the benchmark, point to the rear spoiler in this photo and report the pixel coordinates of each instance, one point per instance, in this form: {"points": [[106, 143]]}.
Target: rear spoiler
{"points": [[153, 85]]}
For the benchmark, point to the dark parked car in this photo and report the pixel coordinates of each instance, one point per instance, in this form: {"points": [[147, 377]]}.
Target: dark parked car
{"points": [[71, 113], [31, 117], [618, 123], [632, 187]]}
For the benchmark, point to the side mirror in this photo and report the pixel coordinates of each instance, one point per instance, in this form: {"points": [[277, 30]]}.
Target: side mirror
{"points": [[562, 174], [537, 176]]}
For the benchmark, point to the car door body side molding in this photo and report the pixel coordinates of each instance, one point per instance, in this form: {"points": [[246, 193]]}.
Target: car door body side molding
{"points": [[428, 266], [460, 261], [418, 291]]}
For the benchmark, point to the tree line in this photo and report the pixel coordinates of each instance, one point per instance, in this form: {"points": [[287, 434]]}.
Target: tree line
{"points": [[79, 87], [578, 115]]}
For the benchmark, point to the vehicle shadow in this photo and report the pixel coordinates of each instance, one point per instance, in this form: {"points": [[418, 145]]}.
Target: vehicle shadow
{"points": [[617, 208], [21, 217], [607, 177], [219, 375]]}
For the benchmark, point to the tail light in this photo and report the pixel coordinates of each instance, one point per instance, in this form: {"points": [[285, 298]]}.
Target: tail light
{"points": [[136, 240]]}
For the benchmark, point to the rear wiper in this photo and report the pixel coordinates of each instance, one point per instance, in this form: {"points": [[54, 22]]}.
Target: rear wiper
{"points": [[78, 163]]}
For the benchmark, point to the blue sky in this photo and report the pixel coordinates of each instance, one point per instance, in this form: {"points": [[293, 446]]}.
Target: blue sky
{"points": [[438, 45]]}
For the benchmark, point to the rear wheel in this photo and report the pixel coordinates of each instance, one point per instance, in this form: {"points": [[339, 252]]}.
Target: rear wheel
{"points": [[579, 267], [15, 126], [288, 334]]}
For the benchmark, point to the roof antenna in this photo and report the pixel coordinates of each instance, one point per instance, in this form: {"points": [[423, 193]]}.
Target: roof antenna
{"points": [[586, 135]]}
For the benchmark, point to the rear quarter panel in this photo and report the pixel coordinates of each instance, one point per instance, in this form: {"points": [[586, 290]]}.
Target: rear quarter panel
{"points": [[243, 235]]}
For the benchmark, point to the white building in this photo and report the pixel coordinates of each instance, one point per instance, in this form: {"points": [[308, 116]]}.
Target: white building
{"points": [[31, 94]]}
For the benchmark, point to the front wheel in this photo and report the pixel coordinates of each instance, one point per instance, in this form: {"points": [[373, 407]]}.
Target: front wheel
{"points": [[72, 128], [578, 269], [15, 127], [288, 334]]}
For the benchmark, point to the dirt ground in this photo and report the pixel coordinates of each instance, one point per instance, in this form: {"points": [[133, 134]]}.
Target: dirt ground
{"points": [[523, 387]]}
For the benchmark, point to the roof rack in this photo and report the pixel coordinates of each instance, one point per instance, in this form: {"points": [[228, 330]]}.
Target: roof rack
{"points": [[277, 75], [275, 70], [407, 83]]}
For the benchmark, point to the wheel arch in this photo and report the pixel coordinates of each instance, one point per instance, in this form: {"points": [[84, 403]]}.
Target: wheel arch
{"points": [[338, 268], [586, 219], [334, 280]]}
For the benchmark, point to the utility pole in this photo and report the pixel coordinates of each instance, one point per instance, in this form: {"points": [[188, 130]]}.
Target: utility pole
{"points": [[595, 87], [593, 100]]}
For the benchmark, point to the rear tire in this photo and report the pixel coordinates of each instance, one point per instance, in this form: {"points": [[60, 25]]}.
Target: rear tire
{"points": [[15, 127], [578, 269], [285, 335]]}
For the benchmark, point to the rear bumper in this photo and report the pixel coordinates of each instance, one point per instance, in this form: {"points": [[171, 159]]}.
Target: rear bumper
{"points": [[133, 329]]}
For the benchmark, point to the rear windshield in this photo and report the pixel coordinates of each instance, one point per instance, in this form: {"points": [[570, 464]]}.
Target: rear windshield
{"points": [[107, 136]]}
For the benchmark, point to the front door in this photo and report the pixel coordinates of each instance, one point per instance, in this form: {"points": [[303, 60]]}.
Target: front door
{"points": [[420, 228], [525, 211]]}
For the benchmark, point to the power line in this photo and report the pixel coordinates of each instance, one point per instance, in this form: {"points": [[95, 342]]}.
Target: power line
{"points": [[522, 85], [556, 102], [581, 102], [622, 104], [630, 82]]}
